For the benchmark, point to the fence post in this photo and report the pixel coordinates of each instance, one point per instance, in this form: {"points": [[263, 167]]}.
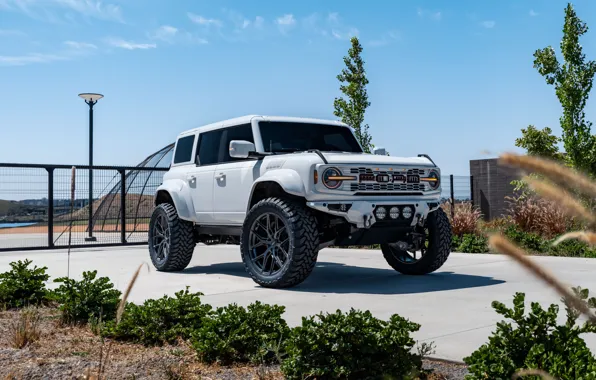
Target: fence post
{"points": [[472, 190], [452, 197], [50, 207], [123, 206]]}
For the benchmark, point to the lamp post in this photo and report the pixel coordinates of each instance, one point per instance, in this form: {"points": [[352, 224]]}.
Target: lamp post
{"points": [[90, 99]]}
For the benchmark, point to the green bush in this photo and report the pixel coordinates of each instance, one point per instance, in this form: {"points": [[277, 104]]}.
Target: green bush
{"points": [[23, 286], [473, 244], [352, 345], [455, 242], [572, 248], [88, 299], [159, 321], [528, 240], [234, 334], [535, 341]]}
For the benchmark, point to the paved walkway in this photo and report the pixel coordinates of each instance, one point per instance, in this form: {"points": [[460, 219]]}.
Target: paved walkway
{"points": [[452, 305]]}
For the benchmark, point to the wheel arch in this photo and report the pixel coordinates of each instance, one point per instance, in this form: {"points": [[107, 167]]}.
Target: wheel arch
{"points": [[267, 188], [177, 193]]}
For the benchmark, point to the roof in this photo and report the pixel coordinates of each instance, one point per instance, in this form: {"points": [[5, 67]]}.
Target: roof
{"points": [[248, 118]]}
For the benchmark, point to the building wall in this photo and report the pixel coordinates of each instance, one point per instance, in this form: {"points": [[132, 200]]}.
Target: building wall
{"points": [[492, 183]]}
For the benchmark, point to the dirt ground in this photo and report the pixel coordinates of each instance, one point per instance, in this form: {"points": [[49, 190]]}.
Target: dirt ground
{"points": [[76, 353]]}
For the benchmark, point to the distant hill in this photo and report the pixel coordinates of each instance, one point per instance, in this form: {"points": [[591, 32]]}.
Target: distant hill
{"points": [[15, 211]]}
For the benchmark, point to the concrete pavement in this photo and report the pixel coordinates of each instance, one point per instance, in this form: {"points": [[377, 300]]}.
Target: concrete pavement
{"points": [[452, 305]]}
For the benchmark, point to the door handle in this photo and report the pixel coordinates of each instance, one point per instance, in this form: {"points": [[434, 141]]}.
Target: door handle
{"points": [[220, 176], [191, 178]]}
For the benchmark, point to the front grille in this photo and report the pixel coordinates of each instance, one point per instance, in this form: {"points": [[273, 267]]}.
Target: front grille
{"points": [[386, 187]]}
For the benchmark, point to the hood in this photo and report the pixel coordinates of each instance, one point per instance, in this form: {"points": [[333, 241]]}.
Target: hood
{"points": [[374, 159], [363, 158]]}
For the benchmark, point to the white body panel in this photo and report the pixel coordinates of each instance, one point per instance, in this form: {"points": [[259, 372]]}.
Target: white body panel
{"points": [[220, 193]]}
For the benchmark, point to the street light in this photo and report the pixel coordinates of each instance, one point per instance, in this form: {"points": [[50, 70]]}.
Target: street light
{"points": [[90, 99]]}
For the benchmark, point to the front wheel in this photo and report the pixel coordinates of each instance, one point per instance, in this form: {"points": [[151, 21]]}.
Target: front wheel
{"points": [[279, 243], [434, 252], [171, 240]]}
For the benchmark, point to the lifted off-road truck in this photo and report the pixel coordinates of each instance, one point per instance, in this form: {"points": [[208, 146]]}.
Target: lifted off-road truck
{"points": [[283, 188]]}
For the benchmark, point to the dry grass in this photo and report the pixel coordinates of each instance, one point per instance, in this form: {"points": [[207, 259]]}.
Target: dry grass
{"points": [[25, 329], [539, 215], [465, 217]]}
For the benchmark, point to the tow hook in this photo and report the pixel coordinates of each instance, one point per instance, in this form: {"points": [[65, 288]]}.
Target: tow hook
{"points": [[367, 220]]}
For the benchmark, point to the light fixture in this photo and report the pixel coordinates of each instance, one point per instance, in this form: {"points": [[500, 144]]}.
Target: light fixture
{"points": [[407, 212], [394, 212], [381, 212]]}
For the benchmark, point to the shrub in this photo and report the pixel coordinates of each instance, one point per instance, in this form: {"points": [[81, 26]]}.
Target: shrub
{"points": [[88, 299], [527, 240], [159, 321], [234, 334], [538, 215], [572, 248], [23, 286], [465, 218], [535, 342], [352, 345], [473, 244]]}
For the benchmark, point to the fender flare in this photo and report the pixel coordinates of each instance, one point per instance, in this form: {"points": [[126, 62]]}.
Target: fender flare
{"points": [[180, 194], [289, 180]]}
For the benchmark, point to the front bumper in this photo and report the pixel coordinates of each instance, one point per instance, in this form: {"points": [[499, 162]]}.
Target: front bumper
{"points": [[362, 213]]}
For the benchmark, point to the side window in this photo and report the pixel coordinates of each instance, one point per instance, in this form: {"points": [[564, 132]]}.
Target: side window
{"points": [[209, 147], [184, 149], [240, 132]]}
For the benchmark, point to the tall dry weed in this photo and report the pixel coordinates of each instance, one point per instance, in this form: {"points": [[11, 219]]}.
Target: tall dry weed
{"points": [[464, 219], [26, 328], [538, 215]]}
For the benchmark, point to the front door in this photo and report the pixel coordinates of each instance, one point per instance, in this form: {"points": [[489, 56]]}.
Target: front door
{"points": [[233, 179]]}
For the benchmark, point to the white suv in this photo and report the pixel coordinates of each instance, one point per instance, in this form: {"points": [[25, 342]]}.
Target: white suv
{"points": [[283, 188]]}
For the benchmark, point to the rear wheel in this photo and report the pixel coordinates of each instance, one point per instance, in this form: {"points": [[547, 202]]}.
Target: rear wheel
{"points": [[171, 240], [434, 251], [279, 243]]}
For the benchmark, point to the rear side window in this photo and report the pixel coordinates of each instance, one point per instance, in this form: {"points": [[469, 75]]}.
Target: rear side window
{"points": [[184, 149], [209, 147]]}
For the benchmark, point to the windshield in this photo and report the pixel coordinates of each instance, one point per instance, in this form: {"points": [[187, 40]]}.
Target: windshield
{"points": [[286, 137]]}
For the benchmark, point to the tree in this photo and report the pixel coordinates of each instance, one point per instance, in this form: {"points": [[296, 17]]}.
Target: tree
{"points": [[540, 143], [572, 81], [352, 111]]}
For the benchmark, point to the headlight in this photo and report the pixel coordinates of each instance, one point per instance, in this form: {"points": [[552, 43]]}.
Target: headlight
{"points": [[332, 178], [433, 179]]}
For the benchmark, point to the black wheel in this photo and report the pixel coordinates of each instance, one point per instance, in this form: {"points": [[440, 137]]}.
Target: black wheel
{"points": [[279, 243], [434, 252], [171, 241]]}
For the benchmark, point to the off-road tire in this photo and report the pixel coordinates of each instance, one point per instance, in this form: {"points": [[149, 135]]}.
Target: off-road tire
{"points": [[181, 239], [439, 247], [304, 242]]}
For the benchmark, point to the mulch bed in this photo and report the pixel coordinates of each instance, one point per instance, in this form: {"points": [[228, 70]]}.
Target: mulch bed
{"points": [[76, 353]]}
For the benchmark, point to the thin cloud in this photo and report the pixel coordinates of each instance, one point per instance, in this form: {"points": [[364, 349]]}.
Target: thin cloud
{"points": [[129, 45], [22, 60], [241, 22], [489, 24], [198, 19], [51, 10], [166, 33], [11, 32], [329, 27], [533, 13], [386, 39], [436, 15], [79, 45], [353, 32], [285, 22]]}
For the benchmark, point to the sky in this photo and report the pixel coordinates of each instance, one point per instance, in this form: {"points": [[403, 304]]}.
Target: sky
{"points": [[454, 80]]}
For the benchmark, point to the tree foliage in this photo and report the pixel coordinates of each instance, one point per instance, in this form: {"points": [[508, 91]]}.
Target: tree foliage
{"points": [[352, 111], [539, 143], [573, 82]]}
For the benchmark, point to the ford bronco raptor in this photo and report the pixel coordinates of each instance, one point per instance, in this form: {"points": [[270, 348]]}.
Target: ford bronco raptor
{"points": [[283, 188]]}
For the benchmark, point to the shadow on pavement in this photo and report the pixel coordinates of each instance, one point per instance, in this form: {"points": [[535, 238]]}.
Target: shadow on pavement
{"points": [[330, 277]]}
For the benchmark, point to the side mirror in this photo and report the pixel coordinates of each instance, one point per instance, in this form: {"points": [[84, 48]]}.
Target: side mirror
{"points": [[380, 151], [241, 148]]}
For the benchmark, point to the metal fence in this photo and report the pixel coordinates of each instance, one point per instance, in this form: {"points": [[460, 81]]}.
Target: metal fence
{"points": [[36, 210]]}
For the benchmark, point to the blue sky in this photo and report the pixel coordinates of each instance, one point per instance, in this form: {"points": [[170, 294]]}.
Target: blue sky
{"points": [[450, 79]]}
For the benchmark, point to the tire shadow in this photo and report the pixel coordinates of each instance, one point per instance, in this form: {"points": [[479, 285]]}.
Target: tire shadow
{"points": [[329, 277]]}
